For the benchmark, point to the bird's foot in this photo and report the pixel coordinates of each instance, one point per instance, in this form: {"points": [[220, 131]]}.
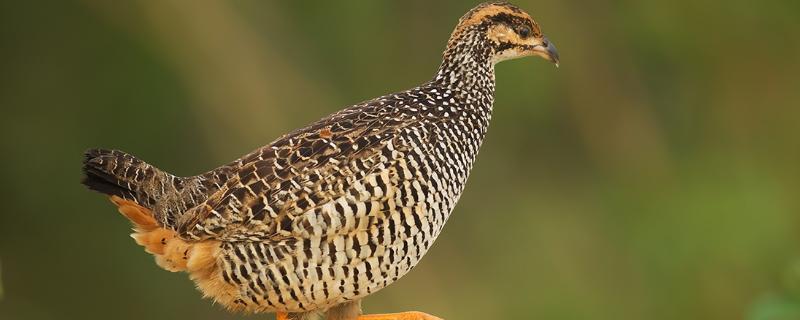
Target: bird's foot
{"points": [[409, 315]]}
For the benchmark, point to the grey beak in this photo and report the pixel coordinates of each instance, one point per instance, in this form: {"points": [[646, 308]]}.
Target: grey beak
{"points": [[551, 50]]}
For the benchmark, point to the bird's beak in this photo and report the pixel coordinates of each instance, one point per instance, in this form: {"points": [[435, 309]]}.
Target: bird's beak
{"points": [[545, 49]]}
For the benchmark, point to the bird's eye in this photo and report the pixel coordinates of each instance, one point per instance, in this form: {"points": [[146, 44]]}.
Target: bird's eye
{"points": [[524, 31]]}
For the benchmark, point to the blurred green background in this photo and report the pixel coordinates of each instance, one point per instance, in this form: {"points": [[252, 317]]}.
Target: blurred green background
{"points": [[655, 175]]}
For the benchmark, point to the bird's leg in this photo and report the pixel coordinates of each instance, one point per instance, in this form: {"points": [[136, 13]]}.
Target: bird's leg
{"points": [[352, 311], [294, 316], [408, 315]]}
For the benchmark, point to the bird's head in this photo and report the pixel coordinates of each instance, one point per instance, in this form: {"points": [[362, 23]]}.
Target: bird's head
{"points": [[506, 30]]}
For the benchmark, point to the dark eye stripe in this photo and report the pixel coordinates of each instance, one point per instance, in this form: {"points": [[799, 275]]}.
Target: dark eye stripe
{"points": [[506, 18], [505, 46]]}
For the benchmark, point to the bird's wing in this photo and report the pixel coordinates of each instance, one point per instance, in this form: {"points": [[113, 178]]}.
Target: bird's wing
{"points": [[342, 161]]}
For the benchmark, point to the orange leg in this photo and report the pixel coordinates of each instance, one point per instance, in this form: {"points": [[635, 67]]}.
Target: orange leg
{"points": [[409, 315], [293, 316]]}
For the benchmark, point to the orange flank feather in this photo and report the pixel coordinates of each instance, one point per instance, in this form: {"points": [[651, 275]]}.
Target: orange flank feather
{"points": [[171, 252], [174, 254], [141, 217]]}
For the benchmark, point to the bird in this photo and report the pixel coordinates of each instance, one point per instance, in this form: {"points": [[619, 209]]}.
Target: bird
{"points": [[328, 214]]}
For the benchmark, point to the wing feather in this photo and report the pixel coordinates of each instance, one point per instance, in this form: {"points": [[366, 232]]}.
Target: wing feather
{"points": [[300, 172]]}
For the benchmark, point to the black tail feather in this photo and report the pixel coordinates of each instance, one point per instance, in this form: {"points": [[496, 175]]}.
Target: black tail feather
{"points": [[99, 181], [106, 172]]}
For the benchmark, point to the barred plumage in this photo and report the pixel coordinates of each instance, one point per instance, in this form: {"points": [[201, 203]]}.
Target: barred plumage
{"points": [[335, 211]]}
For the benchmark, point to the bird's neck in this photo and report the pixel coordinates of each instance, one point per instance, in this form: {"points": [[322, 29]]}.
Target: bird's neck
{"points": [[467, 67]]}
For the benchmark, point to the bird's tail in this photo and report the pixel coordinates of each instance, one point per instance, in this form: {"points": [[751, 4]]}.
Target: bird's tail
{"points": [[134, 187], [117, 173]]}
